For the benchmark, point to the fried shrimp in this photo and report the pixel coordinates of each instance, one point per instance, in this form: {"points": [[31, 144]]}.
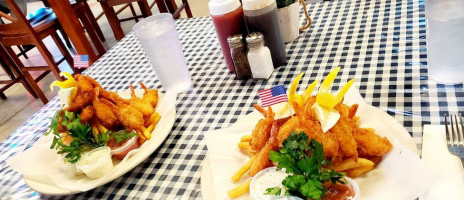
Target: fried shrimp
{"points": [[262, 160], [343, 131], [370, 144], [84, 95], [104, 112], [142, 106], [87, 114], [262, 131], [128, 115], [150, 95]]}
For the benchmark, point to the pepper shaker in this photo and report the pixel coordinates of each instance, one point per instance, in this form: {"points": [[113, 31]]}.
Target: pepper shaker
{"points": [[239, 56], [259, 56]]}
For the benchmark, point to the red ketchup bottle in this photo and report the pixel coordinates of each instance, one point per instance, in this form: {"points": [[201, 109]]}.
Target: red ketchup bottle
{"points": [[228, 20]]}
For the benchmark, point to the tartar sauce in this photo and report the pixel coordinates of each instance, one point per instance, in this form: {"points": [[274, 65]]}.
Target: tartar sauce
{"points": [[96, 163], [268, 178]]}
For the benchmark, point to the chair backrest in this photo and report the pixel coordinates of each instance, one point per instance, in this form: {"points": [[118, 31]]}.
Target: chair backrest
{"points": [[19, 31]]}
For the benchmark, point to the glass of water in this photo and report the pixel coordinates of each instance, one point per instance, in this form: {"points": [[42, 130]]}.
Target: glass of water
{"points": [[159, 38]]}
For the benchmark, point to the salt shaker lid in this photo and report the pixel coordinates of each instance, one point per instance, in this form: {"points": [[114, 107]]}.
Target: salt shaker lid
{"points": [[254, 37]]}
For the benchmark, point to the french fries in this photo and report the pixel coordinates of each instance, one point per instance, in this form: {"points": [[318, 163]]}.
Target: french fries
{"points": [[140, 133], [151, 119], [359, 171], [239, 190], [95, 131], [100, 127], [244, 146], [354, 168], [246, 138], [242, 170], [147, 131]]}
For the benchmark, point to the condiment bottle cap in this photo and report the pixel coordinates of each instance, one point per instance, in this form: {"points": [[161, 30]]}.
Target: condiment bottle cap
{"points": [[221, 7], [256, 4]]}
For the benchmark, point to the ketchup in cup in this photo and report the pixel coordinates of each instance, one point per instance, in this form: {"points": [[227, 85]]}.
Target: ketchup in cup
{"points": [[228, 20]]}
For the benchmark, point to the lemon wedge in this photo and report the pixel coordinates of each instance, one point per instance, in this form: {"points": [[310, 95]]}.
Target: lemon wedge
{"points": [[326, 101], [293, 96], [70, 82]]}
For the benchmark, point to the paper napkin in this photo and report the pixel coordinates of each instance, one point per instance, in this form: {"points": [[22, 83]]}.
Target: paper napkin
{"points": [[436, 154]]}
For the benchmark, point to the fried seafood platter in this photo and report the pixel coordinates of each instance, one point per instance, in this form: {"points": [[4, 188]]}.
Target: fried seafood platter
{"points": [[346, 148], [96, 126]]}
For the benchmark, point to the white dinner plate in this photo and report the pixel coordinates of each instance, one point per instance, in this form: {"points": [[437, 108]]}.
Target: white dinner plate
{"points": [[397, 131], [159, 134]]}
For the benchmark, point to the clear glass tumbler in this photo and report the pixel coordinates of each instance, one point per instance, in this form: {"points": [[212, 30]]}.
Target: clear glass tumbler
{"points": [[159, 38]]}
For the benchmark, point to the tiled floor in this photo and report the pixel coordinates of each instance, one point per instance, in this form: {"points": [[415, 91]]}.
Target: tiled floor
{"points": [[20, 105]]}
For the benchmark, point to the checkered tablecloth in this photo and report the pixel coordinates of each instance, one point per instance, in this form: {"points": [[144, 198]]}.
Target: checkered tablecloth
{"points": [[380, 44]]}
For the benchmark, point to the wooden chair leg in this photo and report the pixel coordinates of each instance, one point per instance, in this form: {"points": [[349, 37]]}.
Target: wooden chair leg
{"points": [[187, 9], [93, 21], [113, 20], [13, 71], [171, 5], [92, 34], [23, 81], [144, 8], [49, 59], [30, 80], [2, 95], [64, 52], [22, 52], [161, 6], [65, 38], [134, 14]]}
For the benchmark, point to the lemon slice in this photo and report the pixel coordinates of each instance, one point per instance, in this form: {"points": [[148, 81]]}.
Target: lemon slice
{"points": [[70, 82]]}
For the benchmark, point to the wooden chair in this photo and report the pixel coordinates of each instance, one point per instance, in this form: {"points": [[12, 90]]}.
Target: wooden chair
{"points": [[89, 23], [176, 10], [115, 23], [14, 76], [91, 18], [85, 15], [21, 32]]}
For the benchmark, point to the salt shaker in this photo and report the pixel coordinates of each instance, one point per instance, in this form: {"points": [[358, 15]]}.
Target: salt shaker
{"points": [[239, 56], [259, 56]]}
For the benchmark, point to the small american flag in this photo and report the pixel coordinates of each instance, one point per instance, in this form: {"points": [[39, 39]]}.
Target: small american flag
{"points": [[273, 95], [81, 61]]}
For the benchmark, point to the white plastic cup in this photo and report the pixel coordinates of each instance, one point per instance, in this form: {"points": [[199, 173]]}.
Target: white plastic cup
{"points": [[159, 38], [445, 41]]}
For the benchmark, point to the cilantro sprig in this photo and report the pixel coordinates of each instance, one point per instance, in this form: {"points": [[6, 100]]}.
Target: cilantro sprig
{"points": [[304, 162], [83, 139]]}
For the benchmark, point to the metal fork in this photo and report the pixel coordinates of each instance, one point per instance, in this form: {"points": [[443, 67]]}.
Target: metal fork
{"points": [[455, 137]]}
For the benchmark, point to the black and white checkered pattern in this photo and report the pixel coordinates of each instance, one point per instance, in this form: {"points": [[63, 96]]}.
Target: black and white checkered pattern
{"points": [[380, 44]]}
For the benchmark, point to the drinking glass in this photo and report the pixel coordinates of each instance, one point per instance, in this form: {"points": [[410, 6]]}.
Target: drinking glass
{"points": [[159, 38], [445, 41]]}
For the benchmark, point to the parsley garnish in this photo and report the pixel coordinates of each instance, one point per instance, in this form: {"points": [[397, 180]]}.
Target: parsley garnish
{"points": [[83, 139], [305, 165]]}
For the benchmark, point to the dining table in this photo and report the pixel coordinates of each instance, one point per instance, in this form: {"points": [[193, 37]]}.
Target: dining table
{"points": [[380, 44]]}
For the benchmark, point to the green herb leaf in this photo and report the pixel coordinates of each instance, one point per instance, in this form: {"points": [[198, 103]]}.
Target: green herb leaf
{"points": [[304, 161], [72, 126], [273, 191]]}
